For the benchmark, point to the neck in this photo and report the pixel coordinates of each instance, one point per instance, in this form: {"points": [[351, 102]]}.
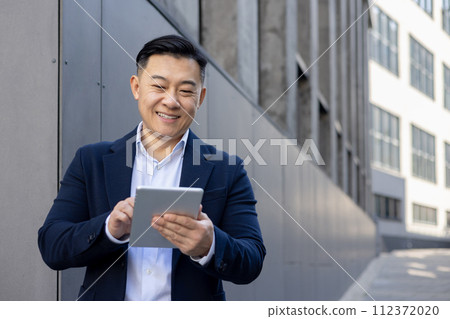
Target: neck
{"points": [[158, 146]]}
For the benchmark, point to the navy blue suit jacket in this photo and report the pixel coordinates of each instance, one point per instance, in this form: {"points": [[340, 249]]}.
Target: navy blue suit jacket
{"points": [[98, 177]]}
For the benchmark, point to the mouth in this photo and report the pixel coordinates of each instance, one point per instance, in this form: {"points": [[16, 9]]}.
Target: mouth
{"points": [[167, 116]]}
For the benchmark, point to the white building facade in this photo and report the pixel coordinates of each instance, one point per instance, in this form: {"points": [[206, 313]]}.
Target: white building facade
{"points": [[409, 76]]}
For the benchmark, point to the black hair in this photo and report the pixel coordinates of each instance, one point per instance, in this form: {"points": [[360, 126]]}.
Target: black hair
{"points": [[171, 45]]}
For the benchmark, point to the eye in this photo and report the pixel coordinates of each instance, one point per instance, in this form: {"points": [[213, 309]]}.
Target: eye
{"points": [[158, 87]]}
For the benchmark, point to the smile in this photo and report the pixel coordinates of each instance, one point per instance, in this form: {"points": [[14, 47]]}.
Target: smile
{"points": [[165, 116]]}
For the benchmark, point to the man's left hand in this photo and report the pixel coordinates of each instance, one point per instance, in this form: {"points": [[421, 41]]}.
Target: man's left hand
{"points": [[193, 237]]}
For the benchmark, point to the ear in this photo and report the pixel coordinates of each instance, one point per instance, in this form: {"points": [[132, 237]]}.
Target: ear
{"points": [[202, 97], [134, 84]]}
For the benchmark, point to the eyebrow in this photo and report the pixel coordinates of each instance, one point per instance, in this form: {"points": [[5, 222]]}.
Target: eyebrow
{"points": [[160, 77]]}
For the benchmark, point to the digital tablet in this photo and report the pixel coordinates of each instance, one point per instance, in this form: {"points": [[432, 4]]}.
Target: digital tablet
{"points": [[151, 201]]}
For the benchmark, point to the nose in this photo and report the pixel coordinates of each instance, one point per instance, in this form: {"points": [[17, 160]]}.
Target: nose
{"points": [[170, 99]]}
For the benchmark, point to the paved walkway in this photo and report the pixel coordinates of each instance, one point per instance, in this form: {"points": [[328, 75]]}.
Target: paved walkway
{"points": [[415, 274]]}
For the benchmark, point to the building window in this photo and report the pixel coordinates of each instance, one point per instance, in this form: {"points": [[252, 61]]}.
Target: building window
{"points": [[385, 139], [423, 155], [422, 68], [387, 208], [384, 37], [447, 165], [446, 87], [424, 215], [446, 15], [426, 5], [448, 219]]}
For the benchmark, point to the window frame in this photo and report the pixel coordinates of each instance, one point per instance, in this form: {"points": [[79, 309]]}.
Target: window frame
{"points": [[448, 218], [421, 68], [384, 41], [447, 164], [422, 160], [423, 6], [385, 139], [446, 75], [420, 211], [446, 16], [393, 205]]}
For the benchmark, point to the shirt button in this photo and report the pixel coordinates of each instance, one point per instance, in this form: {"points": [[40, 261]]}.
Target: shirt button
{"points": [[148, 271]]}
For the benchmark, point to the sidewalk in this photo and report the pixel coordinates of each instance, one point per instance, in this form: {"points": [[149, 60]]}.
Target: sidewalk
{"points": [[415, 274]]}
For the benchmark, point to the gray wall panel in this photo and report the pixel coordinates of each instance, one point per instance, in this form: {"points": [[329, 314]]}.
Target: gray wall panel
{"points": [[81, 96], [271, 217], [81, 67], [29, 143], [131, 26]]}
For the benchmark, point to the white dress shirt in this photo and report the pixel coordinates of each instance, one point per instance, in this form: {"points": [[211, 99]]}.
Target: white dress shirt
{"points": [[149, 269]]}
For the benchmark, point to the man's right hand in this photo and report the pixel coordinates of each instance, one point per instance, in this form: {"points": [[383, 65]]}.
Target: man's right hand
{"points": [[119, 224]]}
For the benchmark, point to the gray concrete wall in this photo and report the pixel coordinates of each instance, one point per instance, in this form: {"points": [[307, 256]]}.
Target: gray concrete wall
{"points": [[186, 13], [272, 54], [29, 143], [219, 34]]}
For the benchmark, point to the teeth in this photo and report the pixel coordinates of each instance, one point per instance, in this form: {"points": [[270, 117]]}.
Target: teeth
{"points": [[167, 116]]}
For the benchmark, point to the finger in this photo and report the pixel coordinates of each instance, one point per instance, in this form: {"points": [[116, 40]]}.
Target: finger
{"points": [[184, 221], [130, 201], [199, 211], [173, 237], [175, 228], [203, 216], [119, 220], [127, 208]]}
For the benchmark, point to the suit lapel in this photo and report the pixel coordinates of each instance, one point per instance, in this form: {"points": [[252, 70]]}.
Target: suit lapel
{"points": [[119, 168], [195, 173], [196, 169]]}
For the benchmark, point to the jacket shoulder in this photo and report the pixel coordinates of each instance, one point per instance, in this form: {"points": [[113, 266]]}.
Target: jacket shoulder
{"points": [[93, 152]]}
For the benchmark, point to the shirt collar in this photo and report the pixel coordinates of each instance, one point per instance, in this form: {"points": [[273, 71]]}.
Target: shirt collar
{"points": [[179, 148]]}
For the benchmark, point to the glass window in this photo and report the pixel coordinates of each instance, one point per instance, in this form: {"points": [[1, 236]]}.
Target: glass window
{"points": [[426, 5], [387, 207], [446, 87], [448, 219], [424, 215], [385, 138], [447, 165], [446, 15], [422, 70], [384, 48], [423, 155]]}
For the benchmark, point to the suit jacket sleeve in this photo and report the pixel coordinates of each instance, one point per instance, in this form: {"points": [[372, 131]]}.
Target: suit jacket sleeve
{"points": [[239, 251], [73, 233]]}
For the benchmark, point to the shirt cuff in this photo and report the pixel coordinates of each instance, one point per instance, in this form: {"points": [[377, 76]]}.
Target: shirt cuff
{"points": [[111, 237], [206, 259]]}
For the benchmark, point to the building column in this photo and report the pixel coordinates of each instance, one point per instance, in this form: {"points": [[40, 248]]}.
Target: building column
{"points": [[314, 70], [332, 103], [344, 94], [247, 47], [291, 67]]}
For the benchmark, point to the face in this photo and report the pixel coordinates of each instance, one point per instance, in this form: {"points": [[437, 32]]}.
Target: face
{"points": [[169, 92]]}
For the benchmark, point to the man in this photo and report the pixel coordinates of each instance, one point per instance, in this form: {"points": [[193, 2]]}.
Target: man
{"points": [[89, 222]]}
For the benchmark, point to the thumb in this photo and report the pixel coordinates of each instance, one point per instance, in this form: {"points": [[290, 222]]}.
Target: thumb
{"points": [[199, 211], [203, 216]]}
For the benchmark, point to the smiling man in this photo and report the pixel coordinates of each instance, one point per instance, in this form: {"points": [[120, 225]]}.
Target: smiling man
{"points": [[89, 222]]}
